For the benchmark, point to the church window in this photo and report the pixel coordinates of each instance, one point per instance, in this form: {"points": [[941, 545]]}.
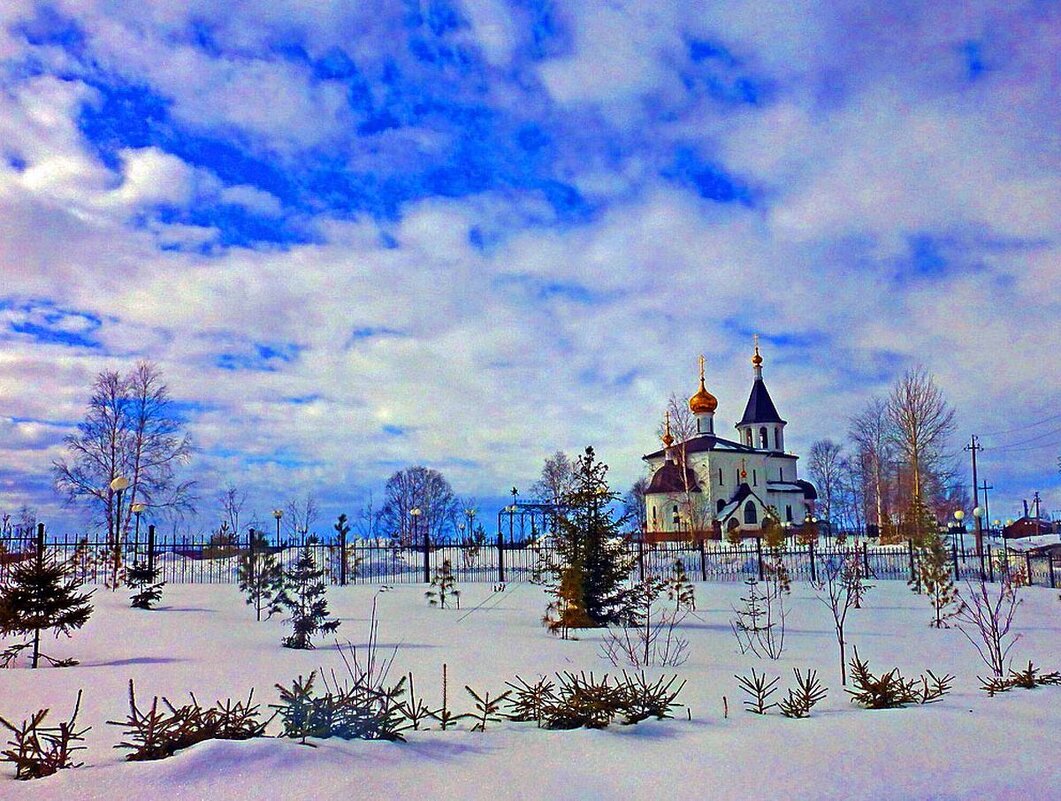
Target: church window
{"points": [[755, 478], [750, 516], [777, 438], [762, 438], [720, 476], [788, 513], [781, 473], [653, 516], [720, 505]]}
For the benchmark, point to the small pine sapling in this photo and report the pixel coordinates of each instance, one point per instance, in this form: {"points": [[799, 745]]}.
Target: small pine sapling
{"points": [[530, 701], [413, 708], [37, 750], [261, 579], [801, 700], [680, 589], [644, 700], [759, 691], [1028, 679], [759, 626], [891, 690], [143, 578], [303, 596], [443, 587], [446, 719], [41, 594], [933, 575], [488, 710]]}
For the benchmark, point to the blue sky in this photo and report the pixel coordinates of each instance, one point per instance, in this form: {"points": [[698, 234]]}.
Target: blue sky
{"points": [[358, 236]]}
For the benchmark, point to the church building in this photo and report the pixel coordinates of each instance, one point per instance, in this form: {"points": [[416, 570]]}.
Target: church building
{"points": [[707, 485]]}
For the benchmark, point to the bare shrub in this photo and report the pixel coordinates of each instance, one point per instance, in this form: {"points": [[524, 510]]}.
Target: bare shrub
{"points": [[985, 618]]}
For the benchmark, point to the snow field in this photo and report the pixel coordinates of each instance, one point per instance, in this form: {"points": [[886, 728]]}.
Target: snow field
{"points": [[204, 639]]}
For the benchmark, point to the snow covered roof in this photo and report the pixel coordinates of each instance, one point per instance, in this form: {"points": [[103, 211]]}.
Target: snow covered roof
{"points": [[705, 442]]}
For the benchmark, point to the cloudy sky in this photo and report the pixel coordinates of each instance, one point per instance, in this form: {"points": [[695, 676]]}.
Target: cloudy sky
{"points": [[467, 233]]}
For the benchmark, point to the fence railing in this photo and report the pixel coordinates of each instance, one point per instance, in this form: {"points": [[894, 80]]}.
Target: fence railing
{"points": [[210, 561]]}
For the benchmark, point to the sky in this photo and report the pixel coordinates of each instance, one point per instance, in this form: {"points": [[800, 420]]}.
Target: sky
{"points": [[468, 233]]}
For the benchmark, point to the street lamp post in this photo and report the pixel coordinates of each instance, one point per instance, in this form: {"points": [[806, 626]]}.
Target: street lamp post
{"points": [[279, 515], [415, 513], [138, 509], [118, 485]]}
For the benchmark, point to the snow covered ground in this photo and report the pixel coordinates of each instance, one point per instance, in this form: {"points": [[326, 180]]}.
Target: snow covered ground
{"points": [[205, 640]]}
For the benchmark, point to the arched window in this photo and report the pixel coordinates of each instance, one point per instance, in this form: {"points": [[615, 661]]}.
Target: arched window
{"points": [[720, 505], [788, 513], [762, 438], [653, 516], [755, 478], [777, 438], [720, 476], [750, 515], [781, 473]]}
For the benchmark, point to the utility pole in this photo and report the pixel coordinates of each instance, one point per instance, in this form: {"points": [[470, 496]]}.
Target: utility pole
{"points": [[987, 509], [973, 447], [1035, 500]]}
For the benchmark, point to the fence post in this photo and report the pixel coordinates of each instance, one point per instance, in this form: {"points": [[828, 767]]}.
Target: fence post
{"points": [[916, 579], [151, 547], [500, 558], [1028, 565], [342, 558], [813, 569], [40, 543], [865, 558], [703, 561], [759, 555], [990, 564], [427, 557], [1050, 562], [954, 553], [641, 557]]}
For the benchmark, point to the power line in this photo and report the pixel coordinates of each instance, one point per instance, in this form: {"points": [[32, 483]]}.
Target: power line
{"points": [[1021, 450], [1021, 428], [1025, 441]]}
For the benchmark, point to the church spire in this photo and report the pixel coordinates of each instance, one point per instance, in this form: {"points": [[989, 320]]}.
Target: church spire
{"points": [[668, 440], [757, 361]]}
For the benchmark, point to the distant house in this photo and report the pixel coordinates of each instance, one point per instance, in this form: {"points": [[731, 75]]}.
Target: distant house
{"points": [[1028, 527]]}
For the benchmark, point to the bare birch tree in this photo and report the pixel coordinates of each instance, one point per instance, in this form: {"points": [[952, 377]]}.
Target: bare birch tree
{"points": [[683, 429], [421, 488], [870, 430], [921, 421], [826, 467], [131, 430]]}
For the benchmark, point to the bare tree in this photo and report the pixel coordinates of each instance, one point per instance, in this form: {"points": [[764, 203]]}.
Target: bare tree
{"points": [[557, 478], [419, 488], [367, 523], [840, 586], [871, 432], [232, 500], [986, 617], [921, 421], [826, 466], [131, 431], [634, 504], [300, 514]]}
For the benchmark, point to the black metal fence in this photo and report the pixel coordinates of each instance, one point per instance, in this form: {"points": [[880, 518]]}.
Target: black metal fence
{"points": [[210, 561]]}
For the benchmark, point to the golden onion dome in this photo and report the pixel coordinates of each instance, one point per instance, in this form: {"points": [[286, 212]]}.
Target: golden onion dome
{"points": [[703, 401], [668, 440]]}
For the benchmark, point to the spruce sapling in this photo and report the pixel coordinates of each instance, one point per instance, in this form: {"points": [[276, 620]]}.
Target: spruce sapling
{"points": [[41, 594], [443, 586], [680, 589], [143, 578], [260, 577], [303, 596], [37, 751]]}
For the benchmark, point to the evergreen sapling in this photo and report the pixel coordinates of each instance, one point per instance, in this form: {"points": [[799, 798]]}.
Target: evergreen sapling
{"points": [[260, 577], [41, 594], [143, 578], [303, 596], [680, 589], [443, 587]]}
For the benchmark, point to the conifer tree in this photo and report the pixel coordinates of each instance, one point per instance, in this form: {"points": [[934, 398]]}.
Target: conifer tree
{"points": [[590, 564], [143, 577], [41, 594], [679, 588], [934, 576], [260, 577], [303, 596], [443, 586]]}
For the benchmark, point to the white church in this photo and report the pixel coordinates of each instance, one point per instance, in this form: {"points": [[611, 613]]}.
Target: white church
{"points": [[725, 484]]}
